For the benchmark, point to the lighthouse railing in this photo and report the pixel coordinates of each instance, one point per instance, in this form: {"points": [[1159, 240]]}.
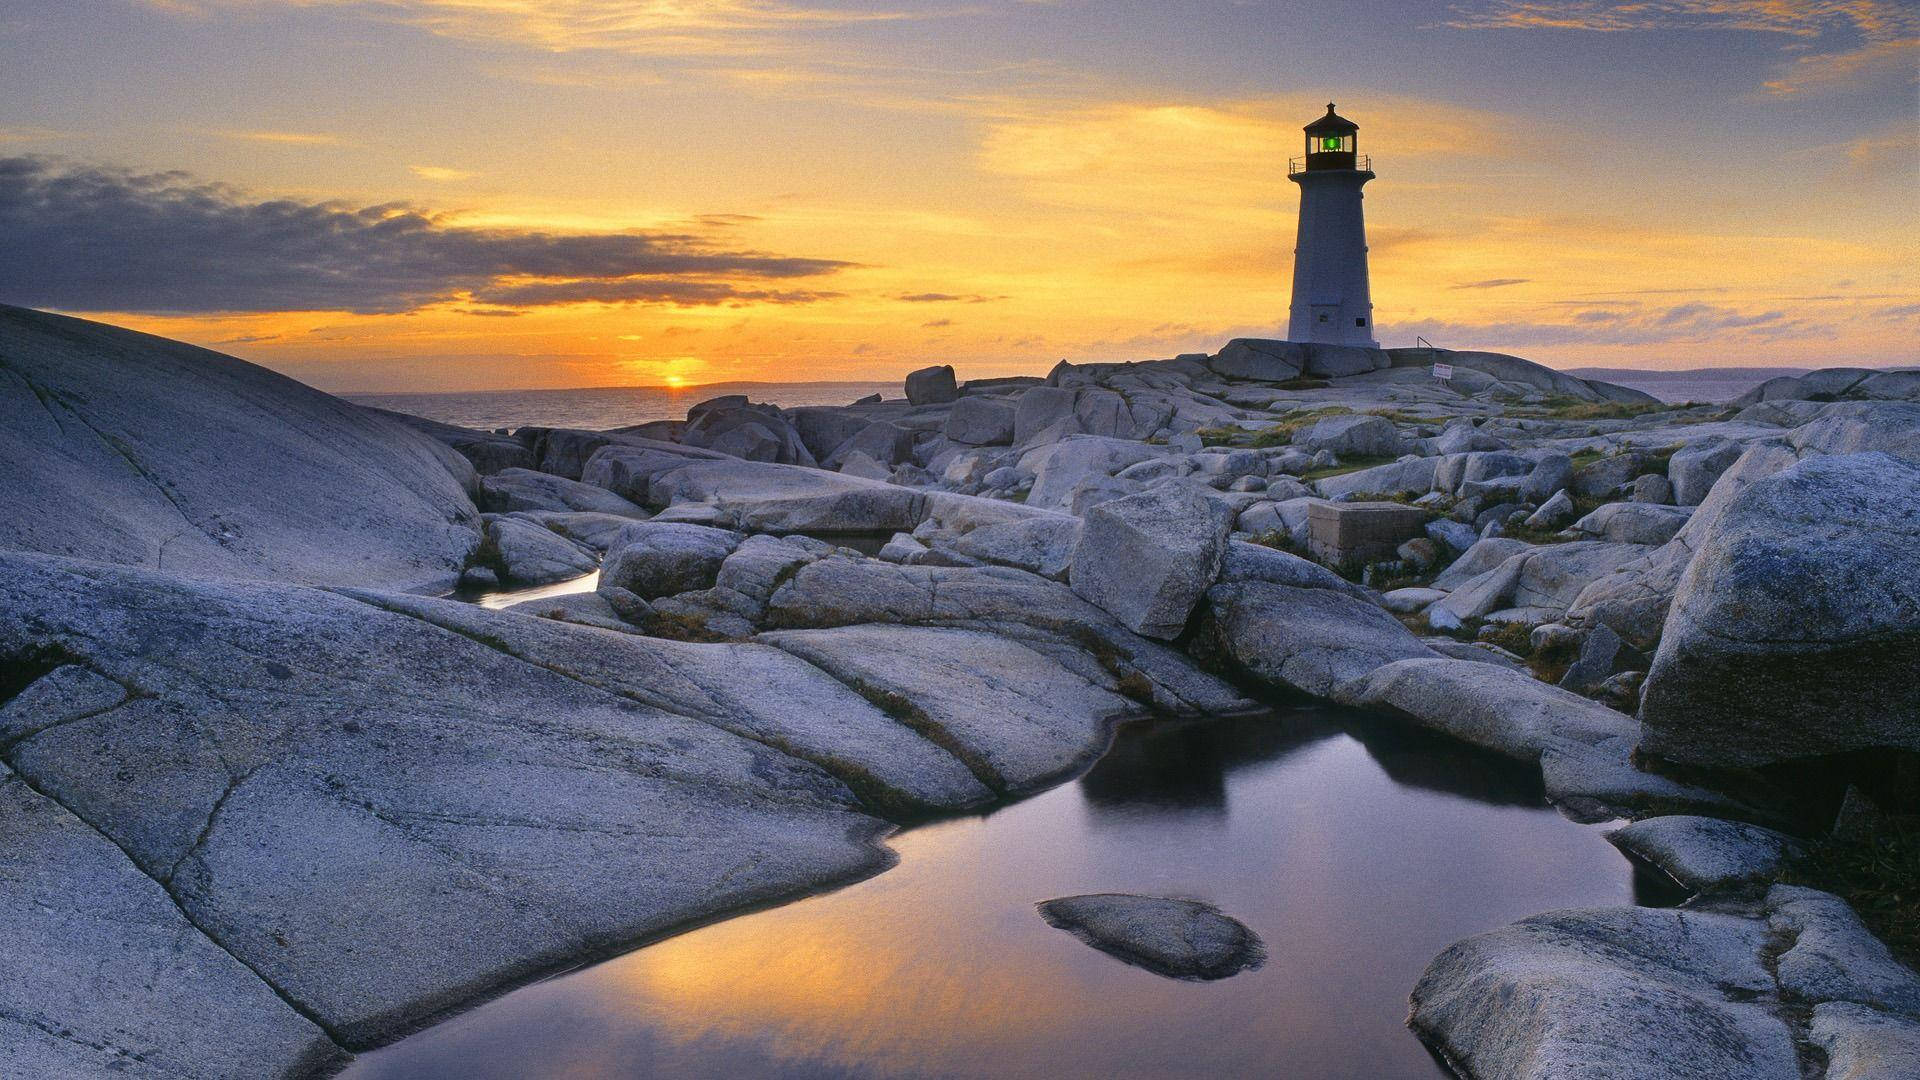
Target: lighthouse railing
{"points": [[1362, 163]]}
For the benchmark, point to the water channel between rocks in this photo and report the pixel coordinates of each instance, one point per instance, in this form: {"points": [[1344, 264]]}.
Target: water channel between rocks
{"points": [[1355, 848]]}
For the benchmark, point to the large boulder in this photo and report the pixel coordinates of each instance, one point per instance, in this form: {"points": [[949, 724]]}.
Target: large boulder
{"points": [[126, 448], [1359, 435], [524, 552], [1260, 358], [1181, 939], [1148, 558], [1694, 467], [737, 428], [1634, 522], [1794, 629], [1608, 994], [932, 385], [1059, 467], [524, 489], [1305, 639], [652, 558], [981, 421], [1485, 704]]}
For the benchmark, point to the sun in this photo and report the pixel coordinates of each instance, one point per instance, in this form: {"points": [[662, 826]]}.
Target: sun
{"points": [[676, 380]]}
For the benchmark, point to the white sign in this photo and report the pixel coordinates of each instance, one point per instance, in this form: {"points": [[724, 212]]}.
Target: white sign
{"points": [[1443, 371]]}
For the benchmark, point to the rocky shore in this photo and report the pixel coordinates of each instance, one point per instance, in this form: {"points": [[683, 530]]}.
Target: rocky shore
{"points": [[273, 798]]}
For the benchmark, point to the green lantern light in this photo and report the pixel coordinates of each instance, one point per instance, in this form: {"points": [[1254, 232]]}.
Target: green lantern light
{"points": [[1330, 144]]}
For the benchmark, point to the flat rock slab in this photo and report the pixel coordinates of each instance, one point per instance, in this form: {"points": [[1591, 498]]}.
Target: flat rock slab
{"points": [[1488, 705], [1703, 852], [131, 449], [1017, 718], [1305, 640], [1181, 939], [384, 817], [105, 977]]}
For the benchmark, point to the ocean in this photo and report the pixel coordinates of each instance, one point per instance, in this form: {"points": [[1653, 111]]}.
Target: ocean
{"points": [[1702, 386], [600, 408]]}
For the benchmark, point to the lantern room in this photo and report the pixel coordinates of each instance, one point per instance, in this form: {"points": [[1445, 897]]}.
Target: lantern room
{"points": [[1332, 142]]}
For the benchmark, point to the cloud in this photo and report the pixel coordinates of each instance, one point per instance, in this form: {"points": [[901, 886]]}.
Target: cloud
{"points": [[634, 27], [440, 173], [90, 238], [1845, 41], [946, 298], [284, 138], [936, 324], [1628, 325], [1492, 283]]}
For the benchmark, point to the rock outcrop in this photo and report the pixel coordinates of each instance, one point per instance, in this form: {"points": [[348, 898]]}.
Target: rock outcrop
{"points": [[1794, 629], [1181, 939], [125, 448]]}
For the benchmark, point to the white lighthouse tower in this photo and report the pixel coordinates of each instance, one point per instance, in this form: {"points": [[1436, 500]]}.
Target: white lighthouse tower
{"points": [[1332, 303]]}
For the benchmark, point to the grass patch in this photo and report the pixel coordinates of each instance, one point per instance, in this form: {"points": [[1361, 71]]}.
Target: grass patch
{"points": [[1302, 382], [1279, 433], [1879, 874], [1569, 408], [1352, 464], [1547, 664], [1281, 540]]}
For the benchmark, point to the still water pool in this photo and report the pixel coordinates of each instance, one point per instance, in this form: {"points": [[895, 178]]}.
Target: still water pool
{"points": [[1357, 850]]}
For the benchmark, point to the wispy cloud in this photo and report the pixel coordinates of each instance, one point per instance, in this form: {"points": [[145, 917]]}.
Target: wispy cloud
{"points": [[1677, 324], [87, 238], [284, 138], [945, 298], [636, 27], [440, 173], [1842, 41], [1492, 283]]}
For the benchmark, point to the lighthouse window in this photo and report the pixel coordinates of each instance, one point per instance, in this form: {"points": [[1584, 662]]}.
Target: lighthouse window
{"points": [[1323, 316], [1359, 322]]}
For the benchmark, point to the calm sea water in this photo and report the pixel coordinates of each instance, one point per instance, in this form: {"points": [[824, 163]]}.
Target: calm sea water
{"points": [[600, 408], [1357, 849]]}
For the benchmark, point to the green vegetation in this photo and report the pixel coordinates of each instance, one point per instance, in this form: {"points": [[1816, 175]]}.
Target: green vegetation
{"points": [[1280, 540], [1571, 408], [1303, 382], [1277, 434], [1878, 873], [1349, 464]]}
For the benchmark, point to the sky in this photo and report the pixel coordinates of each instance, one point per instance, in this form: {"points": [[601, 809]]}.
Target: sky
{"points": [[385, 195]]}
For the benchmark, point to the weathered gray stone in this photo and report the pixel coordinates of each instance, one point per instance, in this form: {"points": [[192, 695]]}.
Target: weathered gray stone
{"points": [[932, 385], [1414, 476], [296, 754], [1043, 545], [1833, 956], [1794, 629], [1553, 513], [887, 443], [979, 421], [1488, 706], [652, 559], [1305, 639], [1148, 558], [131, 449], [1704, 853], [1059, 467], [1604, 478], [1181, 939], [1695, 466], [1634, 522], [1256, 562], [1863, 1043], [105, 976], [1262, 359], [529, 553], [1355, 435], [1608, 994], [1017, 718], [523, 489], [1651, 488]]}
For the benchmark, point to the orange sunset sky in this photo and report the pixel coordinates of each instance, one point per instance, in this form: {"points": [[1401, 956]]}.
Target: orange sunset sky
{"points": [[471, 194]]}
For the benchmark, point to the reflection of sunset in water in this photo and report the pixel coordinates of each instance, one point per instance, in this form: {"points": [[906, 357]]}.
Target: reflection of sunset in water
{"points": [[1357, 861]]}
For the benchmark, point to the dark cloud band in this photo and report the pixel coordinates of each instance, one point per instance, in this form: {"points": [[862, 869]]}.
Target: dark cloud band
{"points": [[87, 238]]}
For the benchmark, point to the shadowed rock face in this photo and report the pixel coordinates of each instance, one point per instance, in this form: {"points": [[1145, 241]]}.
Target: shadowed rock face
{"points": [[1795, 628], [1181, 939], [125, 448]]}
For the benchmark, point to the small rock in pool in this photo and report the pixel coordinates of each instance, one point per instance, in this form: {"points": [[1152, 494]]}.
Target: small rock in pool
{"points": [[1181, 939]]}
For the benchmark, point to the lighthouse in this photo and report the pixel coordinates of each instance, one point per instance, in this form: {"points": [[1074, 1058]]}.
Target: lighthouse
{"points": [[1332, 303]]}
